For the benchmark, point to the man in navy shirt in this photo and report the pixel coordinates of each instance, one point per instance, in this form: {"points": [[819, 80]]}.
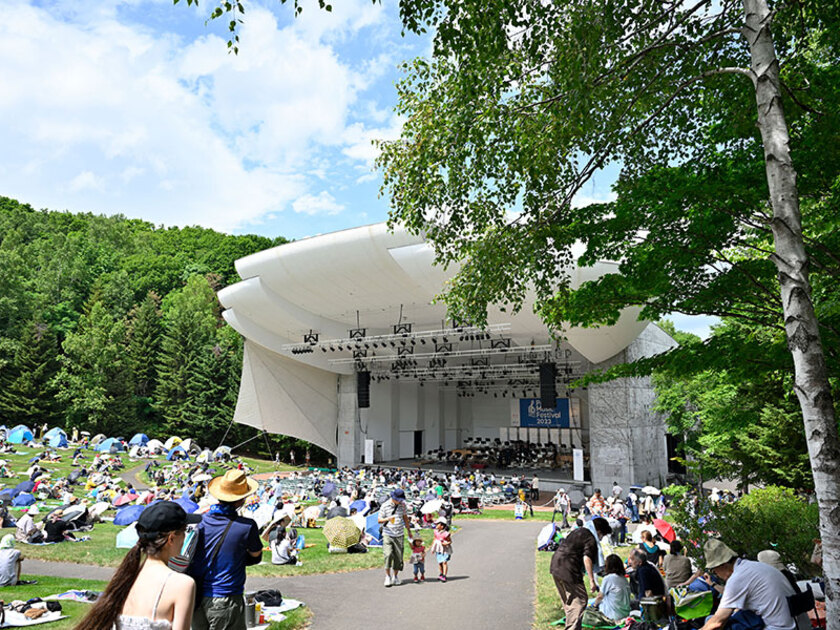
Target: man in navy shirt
{"points": [[647, 576], [227, 543]]}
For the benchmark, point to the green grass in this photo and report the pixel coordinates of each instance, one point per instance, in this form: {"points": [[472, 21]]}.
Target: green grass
{"points": [[100, 550], [504, 515], [52, 586], [547, 605], [295, 620]]}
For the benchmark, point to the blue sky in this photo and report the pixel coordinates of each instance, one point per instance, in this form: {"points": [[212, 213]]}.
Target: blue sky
{"points": [[135, 107]]}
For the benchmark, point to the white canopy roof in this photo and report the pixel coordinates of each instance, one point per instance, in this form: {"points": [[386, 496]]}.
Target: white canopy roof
{"points": [[320, 283]]}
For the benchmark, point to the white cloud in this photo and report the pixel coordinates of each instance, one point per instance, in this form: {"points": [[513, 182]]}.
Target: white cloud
{"points": [[322, 203], [111, 116]]}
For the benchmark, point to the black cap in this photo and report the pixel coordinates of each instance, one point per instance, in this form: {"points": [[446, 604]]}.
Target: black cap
{"points": [[162, 517]]}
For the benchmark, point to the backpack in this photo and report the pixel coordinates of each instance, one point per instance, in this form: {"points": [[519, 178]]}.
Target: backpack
{"points": [[270, 597]]}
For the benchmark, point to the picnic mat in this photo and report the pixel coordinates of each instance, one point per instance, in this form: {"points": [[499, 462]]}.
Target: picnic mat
{"points": [[86, 597], [17, 620]]}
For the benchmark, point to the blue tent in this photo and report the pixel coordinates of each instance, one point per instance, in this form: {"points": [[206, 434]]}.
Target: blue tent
{"points": [[23, 499], [128, 514], [361, 506], [110, 445], [188, 505], [140, 439], [20, 434], [58, 439], [372, 529], [23, 486], [177, 449], [52, 432]]}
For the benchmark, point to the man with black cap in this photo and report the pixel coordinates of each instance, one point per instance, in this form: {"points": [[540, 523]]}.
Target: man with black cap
{"points": [[394, 519], [227, 543]]}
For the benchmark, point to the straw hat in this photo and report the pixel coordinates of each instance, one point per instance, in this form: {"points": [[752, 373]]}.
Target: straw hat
{"points": [[717, 553], [232, 486]]}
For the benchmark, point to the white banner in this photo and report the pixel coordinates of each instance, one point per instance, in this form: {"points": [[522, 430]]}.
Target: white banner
{"points": [[577, 457], [368, 451]]}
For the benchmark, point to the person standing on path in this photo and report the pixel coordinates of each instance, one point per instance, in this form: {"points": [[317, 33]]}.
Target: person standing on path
{"points": [[227, 543], [394, 519], [308, 458], [562, 505], [577, 551], [292, 456]]}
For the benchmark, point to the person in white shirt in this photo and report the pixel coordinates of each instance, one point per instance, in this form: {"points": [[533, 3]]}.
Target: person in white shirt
{"points": [[750, 586], [26, 530]]}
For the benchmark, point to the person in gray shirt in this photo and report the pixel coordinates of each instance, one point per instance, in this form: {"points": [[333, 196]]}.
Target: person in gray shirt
{"points": [[10, 561]]}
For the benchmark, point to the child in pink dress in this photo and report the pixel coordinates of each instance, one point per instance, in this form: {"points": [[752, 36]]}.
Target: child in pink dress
{"points": [[442, 546], [418, 559]]}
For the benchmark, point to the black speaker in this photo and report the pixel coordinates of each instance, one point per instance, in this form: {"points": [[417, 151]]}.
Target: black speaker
{"points": [[363, 389], [548, 389]]}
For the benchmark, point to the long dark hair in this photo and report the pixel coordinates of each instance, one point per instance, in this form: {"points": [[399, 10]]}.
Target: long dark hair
{"points": [[108, 607]]}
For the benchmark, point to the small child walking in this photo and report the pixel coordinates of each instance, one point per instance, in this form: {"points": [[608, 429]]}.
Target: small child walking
{"points": [[442, 546], [418, 559]]}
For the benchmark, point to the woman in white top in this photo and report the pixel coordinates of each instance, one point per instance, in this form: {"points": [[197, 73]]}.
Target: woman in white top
{"points": [[613, 598], [145, 594]]}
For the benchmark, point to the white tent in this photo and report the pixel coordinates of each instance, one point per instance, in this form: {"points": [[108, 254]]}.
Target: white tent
{"points": [[155, 447], [97, 438], [172, 442]]}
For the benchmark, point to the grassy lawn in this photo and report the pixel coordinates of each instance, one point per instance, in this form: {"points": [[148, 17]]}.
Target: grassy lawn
{"points": [[100, 550], [295, 620], [504, 515], [547, 606]]}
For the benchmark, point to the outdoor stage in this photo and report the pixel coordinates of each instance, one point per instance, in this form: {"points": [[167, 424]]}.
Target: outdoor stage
{"points": [[550, 480]]}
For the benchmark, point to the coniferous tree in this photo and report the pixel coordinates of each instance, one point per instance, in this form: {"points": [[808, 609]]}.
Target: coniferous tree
{"points": [[144, 332], [189, 327], [28, 392]]}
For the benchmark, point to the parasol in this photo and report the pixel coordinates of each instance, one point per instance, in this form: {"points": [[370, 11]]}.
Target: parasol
{"points": [[341, 532], [665, 530], [651, 490], [430, 507]]}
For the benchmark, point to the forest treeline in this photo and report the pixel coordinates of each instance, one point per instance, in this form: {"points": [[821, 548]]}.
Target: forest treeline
{"points": [[112, 325]]}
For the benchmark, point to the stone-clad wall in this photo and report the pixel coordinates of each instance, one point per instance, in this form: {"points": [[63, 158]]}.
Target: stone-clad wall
{"points": [[627, 440]]}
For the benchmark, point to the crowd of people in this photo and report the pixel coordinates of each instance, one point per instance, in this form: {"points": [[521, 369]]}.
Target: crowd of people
{"points": [[743, 594]]}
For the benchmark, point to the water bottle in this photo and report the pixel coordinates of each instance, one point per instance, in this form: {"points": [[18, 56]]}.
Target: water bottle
{"points": [[301, 542]]}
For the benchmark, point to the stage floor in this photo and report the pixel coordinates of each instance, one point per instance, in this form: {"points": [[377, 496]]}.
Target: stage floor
{"points": [[550, 480]]}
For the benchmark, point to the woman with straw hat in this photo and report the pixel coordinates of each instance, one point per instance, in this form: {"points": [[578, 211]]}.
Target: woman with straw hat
{"points": [[227, 543]]}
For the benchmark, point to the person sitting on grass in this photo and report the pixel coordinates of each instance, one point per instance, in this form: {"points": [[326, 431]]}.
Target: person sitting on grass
{"points": [[10, 561], [283, 549], [614, 597], [27, 531], [145, 594], [647, 577]]}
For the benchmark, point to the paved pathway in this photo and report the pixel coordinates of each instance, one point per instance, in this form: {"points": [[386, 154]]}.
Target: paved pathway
{"points": [[130, 476], [491, 585]]}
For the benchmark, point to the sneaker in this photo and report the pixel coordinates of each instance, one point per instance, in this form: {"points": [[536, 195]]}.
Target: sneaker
{"points": [[388, 581], [416, 579], [443, 578], [422, 578], [396, 581], [440, 578]]}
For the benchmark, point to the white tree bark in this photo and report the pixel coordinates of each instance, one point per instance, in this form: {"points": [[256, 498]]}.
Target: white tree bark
{"points": [[811, 376]]}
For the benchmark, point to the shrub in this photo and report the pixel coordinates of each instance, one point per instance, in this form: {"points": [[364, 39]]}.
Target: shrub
{"points": [[766, 518]]}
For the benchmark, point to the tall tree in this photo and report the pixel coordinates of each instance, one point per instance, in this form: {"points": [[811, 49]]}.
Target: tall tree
{"points": [[27, 395], [95, 379], [189, 327], [524, 101]]}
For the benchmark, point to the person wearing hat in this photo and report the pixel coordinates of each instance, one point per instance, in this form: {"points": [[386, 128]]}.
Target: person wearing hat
{"points": [[394, 520], [26, 530], [227, 543], [563, 506], [751, 589], [10, 561], [145, 593]]}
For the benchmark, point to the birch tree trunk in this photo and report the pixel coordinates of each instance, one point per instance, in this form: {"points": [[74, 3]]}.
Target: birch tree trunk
{"points": [[791, 260]]}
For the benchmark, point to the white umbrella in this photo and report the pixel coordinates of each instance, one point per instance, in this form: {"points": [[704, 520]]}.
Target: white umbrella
{"points": [[98, 509], [651, 490], [312, 512], [430, 507], [202, 477]]}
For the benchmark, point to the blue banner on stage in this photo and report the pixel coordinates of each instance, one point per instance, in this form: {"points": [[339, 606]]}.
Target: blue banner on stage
{"points": [[532, 414]]}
